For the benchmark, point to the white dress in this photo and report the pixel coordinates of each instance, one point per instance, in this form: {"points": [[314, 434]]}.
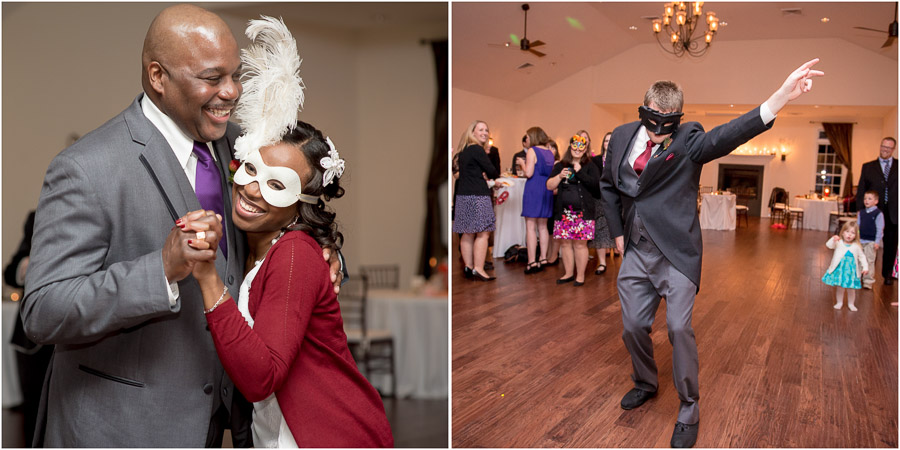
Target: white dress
{"points": [[269, 428]]}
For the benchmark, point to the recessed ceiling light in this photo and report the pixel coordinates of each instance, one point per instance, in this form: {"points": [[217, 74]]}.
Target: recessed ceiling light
{"points": [[723, 24], [731, 106], [632, 28], [825, 20]]}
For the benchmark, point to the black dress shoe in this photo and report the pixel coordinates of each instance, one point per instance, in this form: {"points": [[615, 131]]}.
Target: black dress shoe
{"points": [[548, 263], [685, 435], [479, 277], [636, 397], [467, 272], [565, 280], [578, 283], [601, 269], [888, 281], [533, 267]]}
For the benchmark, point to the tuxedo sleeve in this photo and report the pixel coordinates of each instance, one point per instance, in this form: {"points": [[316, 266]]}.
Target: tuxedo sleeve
{"points": [[704, 147], [71, 296], [612, 203]]}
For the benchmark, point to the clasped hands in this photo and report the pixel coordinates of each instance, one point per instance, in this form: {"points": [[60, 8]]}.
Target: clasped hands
{"points": [[190, 248]]}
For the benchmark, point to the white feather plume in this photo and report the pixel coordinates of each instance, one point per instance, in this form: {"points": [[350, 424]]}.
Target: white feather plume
{"points": [[273, 89]]}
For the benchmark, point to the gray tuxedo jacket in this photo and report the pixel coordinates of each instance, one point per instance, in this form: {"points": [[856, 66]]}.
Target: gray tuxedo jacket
{"points": [[129, 369], [665, 195]]}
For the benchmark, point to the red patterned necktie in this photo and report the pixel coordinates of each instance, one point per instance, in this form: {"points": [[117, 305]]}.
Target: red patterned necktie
{"points": [[641, 162]]}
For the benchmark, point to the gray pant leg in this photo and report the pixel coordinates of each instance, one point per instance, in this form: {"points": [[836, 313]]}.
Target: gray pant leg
{"points": [[639, 301], [679, 292], [645, 276]]}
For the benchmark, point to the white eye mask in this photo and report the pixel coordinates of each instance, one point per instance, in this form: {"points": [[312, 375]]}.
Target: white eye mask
{"points": [[287, 177]]}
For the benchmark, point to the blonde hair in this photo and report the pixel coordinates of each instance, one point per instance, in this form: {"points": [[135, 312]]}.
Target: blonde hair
{"points": [[848, 225], [468, 137]]}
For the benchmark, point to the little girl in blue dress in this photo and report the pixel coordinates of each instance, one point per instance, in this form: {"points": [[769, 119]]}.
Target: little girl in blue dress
{"points": [[844, 273]]}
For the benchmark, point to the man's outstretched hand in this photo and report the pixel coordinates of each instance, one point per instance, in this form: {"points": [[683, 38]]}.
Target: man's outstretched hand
{"points": [[796, 84]]}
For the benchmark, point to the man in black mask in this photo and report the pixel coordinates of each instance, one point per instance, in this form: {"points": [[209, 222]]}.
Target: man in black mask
{"points": [[650, 185]]}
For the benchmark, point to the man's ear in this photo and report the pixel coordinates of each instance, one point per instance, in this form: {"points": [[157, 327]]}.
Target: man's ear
{"points": [[156, 74]]}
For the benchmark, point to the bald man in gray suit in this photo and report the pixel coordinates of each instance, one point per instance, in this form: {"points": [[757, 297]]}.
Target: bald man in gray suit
{"points": [[109, 281], [650, 185]]}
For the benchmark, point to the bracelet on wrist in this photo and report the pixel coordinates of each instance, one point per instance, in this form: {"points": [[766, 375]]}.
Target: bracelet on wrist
{"points": [[218, 302]]}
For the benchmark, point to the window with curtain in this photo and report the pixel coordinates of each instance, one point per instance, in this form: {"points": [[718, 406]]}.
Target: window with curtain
{"points": [[829, 172]]}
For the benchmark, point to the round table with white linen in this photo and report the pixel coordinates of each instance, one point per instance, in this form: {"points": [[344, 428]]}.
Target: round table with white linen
{"points": [[816, 213], [419, 324], [717, 211], [510, 229]]}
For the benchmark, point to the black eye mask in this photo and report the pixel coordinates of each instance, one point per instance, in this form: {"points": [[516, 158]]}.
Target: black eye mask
{"points": [[658, 122]]}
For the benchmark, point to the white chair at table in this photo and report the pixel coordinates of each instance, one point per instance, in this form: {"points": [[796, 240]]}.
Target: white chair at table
{"points": [[741, 210], [371, 348], [794, 213]]}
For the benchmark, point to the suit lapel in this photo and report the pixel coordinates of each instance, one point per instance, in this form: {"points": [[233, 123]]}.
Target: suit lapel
{"points": [[655, 163], [623, 153], [160, 162], [234, 264]]}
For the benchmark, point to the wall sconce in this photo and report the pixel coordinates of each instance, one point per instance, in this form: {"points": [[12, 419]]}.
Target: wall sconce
{"points": [[784, 153]]}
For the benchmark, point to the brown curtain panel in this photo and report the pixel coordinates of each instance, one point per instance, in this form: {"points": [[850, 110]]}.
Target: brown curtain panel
{"points": [[432, 244], [840, 135]]}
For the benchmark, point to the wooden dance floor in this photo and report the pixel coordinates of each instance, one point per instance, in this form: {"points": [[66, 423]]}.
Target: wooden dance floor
{"points": [[540, 365]]}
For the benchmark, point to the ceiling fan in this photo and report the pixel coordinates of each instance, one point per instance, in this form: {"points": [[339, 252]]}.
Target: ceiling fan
{"points": [[525, 44], [891, 31]]}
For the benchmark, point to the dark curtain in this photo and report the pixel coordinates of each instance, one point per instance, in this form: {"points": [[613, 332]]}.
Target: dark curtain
{"points": [[432, 247], [840, 135]]}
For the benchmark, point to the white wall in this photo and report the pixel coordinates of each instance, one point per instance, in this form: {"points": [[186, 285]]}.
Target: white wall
{"points": [[70, 67], [729, 74]]}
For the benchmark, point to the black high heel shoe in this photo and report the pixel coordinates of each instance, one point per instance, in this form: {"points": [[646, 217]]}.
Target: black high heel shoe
{"points": [[467, 272], [479, 277], [565, 280], [532, 267]]}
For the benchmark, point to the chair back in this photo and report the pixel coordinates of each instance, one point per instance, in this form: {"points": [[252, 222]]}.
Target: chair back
{"points": [[779, 195], [382, 276], [353, 298]]}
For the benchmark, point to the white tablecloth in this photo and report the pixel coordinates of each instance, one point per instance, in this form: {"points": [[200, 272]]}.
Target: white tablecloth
{"points": [[815, 212], [420, 327], [12, 393], [717, 211], [510, 223]]}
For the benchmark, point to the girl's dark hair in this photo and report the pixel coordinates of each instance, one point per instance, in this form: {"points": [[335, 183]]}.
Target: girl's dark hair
{"points": [[316, 220]]}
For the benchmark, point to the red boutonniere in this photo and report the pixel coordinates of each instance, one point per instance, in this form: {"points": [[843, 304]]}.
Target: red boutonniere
{"points": [[233, 167]]}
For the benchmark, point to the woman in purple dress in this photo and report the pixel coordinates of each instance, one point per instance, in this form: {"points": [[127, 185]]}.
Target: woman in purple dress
{"points": [[537, 201]]}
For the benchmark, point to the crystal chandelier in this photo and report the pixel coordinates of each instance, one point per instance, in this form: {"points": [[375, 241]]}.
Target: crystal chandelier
{"points": [[680, 22]]}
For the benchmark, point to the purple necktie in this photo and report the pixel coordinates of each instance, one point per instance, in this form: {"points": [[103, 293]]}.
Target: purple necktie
{"points": [[886, 167], [208, 186]]}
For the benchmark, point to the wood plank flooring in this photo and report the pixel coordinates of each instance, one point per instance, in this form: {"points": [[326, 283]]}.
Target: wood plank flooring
{"points": [[540, 365]]}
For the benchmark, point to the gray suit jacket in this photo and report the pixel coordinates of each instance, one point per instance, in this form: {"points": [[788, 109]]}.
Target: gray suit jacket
{"points": [[129, 370], [665, 195]]}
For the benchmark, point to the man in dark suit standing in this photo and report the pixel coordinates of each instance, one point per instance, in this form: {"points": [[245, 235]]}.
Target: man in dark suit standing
{"points": [[109, 279], [650, 185], [880, 176]]}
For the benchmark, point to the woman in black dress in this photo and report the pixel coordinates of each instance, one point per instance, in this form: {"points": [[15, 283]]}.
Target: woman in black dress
{"points": [[602, 240], [474, 208], [578, 184]]}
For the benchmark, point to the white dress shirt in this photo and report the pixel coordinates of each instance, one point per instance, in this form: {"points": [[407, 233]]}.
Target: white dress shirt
{"points": [[183, 147]]}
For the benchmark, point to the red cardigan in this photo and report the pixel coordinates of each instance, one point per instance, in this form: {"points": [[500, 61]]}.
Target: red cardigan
{"points": [[298, 350]]}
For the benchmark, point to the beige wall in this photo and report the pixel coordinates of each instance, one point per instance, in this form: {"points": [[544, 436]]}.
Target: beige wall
{"points": [[70, 67], [729, 74]]}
